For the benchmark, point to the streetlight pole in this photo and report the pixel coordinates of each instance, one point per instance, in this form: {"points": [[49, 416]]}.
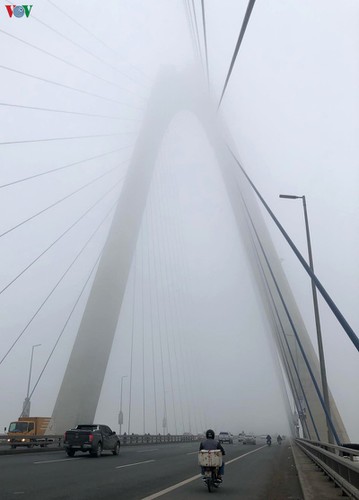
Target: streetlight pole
{"points": [[120, 415], [26, 405], [316, 315]]}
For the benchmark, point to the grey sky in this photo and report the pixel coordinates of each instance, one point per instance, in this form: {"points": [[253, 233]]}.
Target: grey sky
{"points": [[292, 109]]}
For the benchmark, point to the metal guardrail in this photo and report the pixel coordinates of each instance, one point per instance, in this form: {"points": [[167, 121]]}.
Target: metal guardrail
{"points": [[56, 441], [38, 440], [133, 439], [338, 462]]}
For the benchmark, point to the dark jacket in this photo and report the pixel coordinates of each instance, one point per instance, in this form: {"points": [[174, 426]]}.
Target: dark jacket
{"points": [[211, 444]]}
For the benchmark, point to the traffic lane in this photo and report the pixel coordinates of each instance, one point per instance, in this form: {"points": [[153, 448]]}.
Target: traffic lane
{"points": [[172, 465], [51, 476], [56, 476], [169, 470], [193, 486], [265, 473], [136, 473], [125, 451]]}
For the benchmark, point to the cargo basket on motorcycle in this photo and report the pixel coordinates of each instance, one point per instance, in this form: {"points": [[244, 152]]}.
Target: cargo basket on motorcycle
{"points": [[210, 458]]}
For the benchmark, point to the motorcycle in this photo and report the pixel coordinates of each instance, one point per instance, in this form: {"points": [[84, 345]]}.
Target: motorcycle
{"points": [[210, 478], [210, 462], [269, 442]]}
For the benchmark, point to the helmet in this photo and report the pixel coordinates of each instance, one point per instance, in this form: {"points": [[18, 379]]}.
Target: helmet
{"points": [[210, 434]]}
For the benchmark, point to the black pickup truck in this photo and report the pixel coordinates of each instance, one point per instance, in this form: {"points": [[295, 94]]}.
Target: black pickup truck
{"points": [[92, 438]]}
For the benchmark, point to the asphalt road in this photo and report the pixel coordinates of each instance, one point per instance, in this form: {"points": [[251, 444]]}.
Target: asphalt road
{"points": [[147, 472]]}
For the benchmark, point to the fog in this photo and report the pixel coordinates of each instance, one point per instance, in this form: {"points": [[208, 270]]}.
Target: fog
{"points": [[75, 81]]}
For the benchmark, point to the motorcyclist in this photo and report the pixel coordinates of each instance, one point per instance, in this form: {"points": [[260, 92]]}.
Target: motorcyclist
{"points": [[210, 443], [269, 439], [279, 439]]}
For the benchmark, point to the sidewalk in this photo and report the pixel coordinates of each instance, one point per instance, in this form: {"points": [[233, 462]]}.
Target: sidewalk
{"points": [[315, 485]]}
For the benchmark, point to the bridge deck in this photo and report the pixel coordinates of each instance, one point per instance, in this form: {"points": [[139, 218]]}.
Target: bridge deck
{"points": [[315, 485], [253, 472]]}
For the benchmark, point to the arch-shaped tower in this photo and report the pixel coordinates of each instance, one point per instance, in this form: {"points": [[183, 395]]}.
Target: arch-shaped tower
{"points": [[81, 386]]}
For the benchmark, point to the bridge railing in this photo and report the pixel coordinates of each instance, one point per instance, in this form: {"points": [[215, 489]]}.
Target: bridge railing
{"points": [[29, 441], [56, 441], [339, 463], [132, 439]]}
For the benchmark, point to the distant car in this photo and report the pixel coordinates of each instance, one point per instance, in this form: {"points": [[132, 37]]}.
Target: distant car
{"points": [[240, 437], [249, 440], [225, 437]]}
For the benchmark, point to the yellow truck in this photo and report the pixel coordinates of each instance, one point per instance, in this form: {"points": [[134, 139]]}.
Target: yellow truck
{"points": [[29, 431]]}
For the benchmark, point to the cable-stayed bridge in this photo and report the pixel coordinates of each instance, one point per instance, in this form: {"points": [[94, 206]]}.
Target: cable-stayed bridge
{"points": [[84, 376], [122, 184]]}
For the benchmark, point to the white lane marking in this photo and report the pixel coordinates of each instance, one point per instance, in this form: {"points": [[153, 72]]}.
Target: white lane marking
{"points": [[241, 456], [59, 460], [193, 478], [192, 453], [144, 451], [136, 463], [171, 488]]}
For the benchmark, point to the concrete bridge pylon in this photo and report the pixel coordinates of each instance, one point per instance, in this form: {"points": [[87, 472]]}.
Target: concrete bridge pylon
{"points": [[81, 386]]}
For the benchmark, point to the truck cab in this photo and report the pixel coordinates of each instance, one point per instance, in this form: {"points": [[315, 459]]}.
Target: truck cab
{"points": [[22, 427], [28, 431]]}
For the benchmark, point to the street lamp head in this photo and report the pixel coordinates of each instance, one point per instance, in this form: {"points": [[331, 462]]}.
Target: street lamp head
{"points": [[290, 196]]}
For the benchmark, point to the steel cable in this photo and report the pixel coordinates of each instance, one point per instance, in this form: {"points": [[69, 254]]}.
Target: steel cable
{"points": [[151, 309], [52, 110], [74, 43], [59, 238], [155, 239], [171, 277], [239, 41], [205, 39], [74, 137], [191, 27], [349, 331], [68, 87], [68, 165], [143, 333], [102, 42], [315, 383], [60, 280], [197, 33], [265, 281], [73, 65], [134, 267], [165, 285], [61, 200], [66, 322]]}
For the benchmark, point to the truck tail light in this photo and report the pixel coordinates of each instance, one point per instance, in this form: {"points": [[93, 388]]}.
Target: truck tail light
{"points": [[65, 436], [91, 438]]}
